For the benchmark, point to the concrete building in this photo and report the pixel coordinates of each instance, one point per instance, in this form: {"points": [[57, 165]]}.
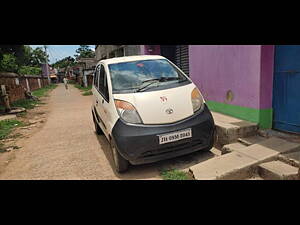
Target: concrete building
{"points": [[110, 51], [85, 70], [258, 83]]}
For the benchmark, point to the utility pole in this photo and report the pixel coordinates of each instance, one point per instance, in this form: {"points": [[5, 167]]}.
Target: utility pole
{"points": [[47, 71]]}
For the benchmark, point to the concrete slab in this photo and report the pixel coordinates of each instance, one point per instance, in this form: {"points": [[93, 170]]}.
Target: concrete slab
{"points": [[7, 117], [230, 166], [280, 134], [232, 147], [230, 120], [216, 151], [269, 149], [251, 140], [294, 155], [229, 129], [242, 161], [288, 160], [259, 153], [277, 170]]}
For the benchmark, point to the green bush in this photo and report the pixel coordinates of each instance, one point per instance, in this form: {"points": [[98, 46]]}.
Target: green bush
{"points": [[29, 70]]}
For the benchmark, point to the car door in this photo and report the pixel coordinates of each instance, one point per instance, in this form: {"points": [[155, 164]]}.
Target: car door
{"points": [[96, 97], [102, 98]]}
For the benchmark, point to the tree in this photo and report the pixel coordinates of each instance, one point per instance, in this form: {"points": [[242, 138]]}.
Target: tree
{"points": [[38, 56], [15, 50], [84, 51], [63, 63], [21, 59], [9, 63]]}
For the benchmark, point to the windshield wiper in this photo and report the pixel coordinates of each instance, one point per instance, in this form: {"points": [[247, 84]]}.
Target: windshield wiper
{"points": [[155, 80], [162, 79], [142, 88]]}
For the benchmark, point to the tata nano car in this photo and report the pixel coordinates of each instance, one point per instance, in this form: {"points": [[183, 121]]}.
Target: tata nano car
{"points": [[149, 110]]}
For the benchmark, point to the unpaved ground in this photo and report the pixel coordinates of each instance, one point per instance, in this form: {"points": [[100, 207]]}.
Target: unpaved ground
{"points": [[62, 144]]}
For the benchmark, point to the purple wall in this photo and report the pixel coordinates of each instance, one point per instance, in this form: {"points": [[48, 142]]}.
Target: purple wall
{"points": [[216, 69]]}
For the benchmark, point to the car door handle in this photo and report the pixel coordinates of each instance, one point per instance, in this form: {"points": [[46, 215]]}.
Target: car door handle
{"points": [[97, 102], [102, 101]]}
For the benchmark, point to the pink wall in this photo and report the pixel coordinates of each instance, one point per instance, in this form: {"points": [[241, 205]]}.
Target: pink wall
{"points": [[217, 69]]}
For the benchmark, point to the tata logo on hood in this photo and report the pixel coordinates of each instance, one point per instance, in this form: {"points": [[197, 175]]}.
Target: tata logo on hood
{"points": [[169, 111], [163, 99]]}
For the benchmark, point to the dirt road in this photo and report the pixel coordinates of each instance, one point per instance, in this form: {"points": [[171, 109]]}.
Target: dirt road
{"points": [[67, 147]]}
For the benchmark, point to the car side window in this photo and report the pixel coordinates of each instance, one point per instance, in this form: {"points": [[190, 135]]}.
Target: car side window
{"points": [[103, 87], [96, 77]]}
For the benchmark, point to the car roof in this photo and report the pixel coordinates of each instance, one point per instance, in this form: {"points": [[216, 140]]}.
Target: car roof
{"points": [[130, 59]]}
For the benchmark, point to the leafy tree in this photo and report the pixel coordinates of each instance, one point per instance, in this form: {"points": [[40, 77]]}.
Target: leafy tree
{"points": [[63, 63], [9, 63], [15, 50], [38, 56], [84, 51], [30, 70], [21, 59]]}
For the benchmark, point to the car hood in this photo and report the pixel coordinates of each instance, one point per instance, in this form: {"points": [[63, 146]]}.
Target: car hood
{"points": [[163, 106]]}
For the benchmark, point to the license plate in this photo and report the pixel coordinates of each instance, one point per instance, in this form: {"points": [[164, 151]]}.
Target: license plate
{"points": [[176, 136]]}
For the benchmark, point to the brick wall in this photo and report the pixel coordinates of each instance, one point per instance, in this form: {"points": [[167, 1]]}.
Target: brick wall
{"points": [[15, 84]]}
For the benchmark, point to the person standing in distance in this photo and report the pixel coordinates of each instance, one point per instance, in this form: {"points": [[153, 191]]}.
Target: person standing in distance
{"points": [[66, 82]]}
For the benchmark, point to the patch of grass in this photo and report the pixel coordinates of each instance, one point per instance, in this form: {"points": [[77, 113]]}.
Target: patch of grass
{"points": [[6, 126], [87, 93], [174, 175], [71, 82], [43, 91], [22, 114], [30, 103], [25, 103], [83, 88]]}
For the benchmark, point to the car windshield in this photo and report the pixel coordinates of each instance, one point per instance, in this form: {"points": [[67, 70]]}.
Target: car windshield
{"points": [[140, 75]]}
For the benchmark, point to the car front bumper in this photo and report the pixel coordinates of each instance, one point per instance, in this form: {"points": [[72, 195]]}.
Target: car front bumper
{"points": [[139, 144]]}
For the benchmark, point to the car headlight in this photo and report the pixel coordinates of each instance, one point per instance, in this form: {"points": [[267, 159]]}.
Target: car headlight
{"points": [[128, 112], [197, 100]]}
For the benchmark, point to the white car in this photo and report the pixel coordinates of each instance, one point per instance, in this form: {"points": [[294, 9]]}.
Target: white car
{"points": [[149, 110]]}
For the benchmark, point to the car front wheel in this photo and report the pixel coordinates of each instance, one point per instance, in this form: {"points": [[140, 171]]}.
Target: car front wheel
{"points": [[121, 164]]}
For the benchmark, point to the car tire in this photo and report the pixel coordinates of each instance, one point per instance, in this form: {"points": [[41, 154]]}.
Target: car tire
{"points": [[121, 164]]}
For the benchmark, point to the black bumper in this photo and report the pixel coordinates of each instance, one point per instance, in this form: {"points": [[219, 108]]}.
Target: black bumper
{"points": [[139, 144]]}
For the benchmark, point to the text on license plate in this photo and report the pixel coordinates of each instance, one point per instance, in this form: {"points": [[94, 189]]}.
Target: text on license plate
{"points": [[176, 136]]}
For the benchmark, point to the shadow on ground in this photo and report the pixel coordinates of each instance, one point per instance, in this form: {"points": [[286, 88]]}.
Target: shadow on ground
{"points": [[152, 171]]}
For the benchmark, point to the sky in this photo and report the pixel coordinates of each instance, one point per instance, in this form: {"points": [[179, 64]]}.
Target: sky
{"points": [[57, 52]]}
